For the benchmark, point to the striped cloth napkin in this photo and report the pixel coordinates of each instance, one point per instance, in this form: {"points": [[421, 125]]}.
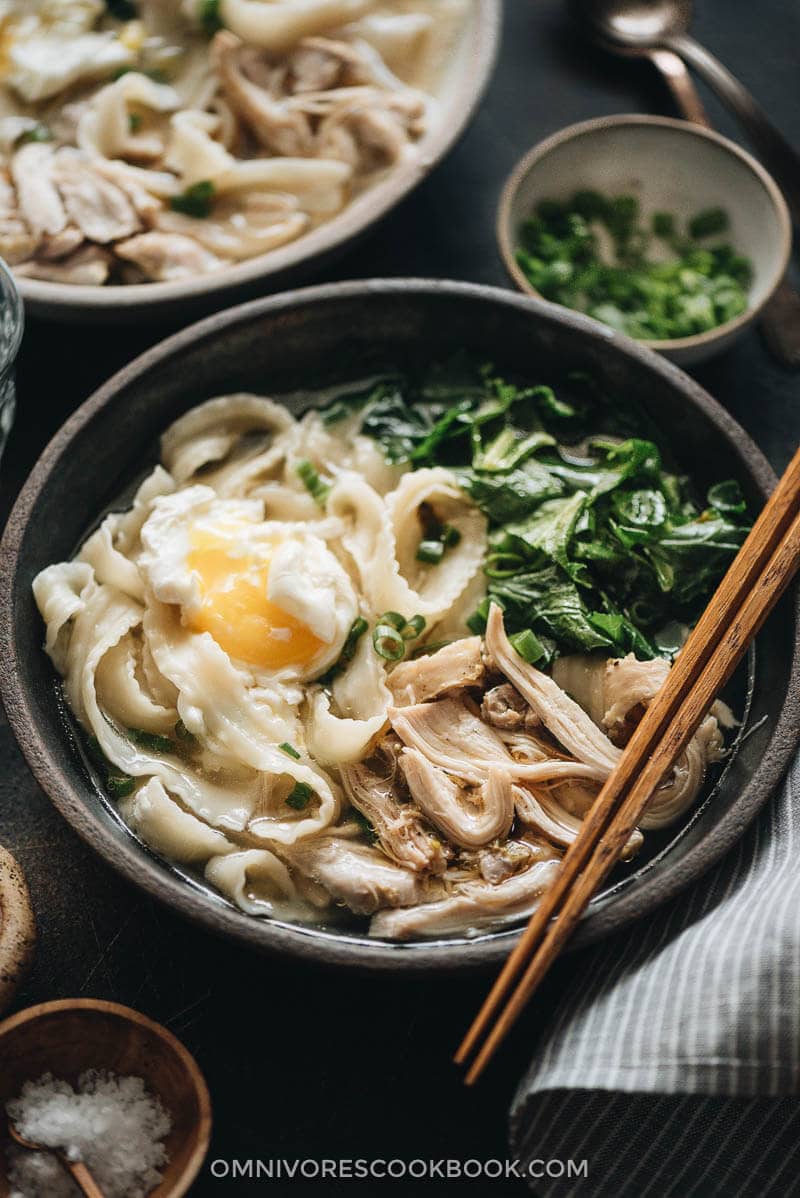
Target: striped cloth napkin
{"points": [[671, 1068]]}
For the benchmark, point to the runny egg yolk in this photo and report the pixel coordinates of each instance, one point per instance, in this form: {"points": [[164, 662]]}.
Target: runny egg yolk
{"points": [[235, 609]]}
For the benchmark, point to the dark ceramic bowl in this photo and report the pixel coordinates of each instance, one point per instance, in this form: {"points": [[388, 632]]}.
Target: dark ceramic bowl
{"points": [[307, 339]]}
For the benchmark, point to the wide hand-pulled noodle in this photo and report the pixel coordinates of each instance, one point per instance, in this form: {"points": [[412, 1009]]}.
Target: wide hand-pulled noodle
{"points": [[197, 135], [222, 643]]}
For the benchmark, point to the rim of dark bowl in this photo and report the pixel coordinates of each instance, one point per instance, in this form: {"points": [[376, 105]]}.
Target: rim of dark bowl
{"points": [[306, 941]]}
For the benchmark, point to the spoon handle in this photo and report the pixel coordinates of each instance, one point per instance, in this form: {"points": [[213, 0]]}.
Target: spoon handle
{"points": [[687, 99], [83, 1179], [780, 158]]}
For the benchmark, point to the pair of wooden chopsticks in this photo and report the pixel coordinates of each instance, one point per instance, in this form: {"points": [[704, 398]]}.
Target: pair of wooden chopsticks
{"points": [[759, 574]]}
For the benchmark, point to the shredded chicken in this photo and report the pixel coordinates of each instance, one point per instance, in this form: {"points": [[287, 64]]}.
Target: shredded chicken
{"points": [[39, 202], [615, 691], [371, 787], [17, 242], [541, 811], [449, 670], [88, 267], [99, 208], [278, 129], [504, 707], [356, 874], [165, 256], [561, 715], [468, 816], [472, 906]]}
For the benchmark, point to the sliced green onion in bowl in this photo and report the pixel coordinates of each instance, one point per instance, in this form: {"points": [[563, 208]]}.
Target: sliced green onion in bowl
{"points": [[528, 646], [317, 489], [388, 643], [430, 552], [413, 628]]}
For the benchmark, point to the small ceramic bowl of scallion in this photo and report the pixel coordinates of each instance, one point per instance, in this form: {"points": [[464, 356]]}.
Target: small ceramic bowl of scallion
{"points": [[664, 231]]}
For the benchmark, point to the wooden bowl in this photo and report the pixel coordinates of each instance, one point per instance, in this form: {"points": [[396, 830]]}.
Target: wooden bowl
{"points": [[17, 928], [67, 1037]]}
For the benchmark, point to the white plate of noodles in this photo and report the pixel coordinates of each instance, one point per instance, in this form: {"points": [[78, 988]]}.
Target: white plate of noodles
{"points": [[158, 152]]}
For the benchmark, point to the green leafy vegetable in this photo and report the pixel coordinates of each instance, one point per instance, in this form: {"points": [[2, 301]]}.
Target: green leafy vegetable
{"points": [[595, 543], [196, 201]]}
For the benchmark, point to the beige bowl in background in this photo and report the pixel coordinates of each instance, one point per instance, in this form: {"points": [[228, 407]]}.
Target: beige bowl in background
{"points": [[465, 80], [668, 165]]}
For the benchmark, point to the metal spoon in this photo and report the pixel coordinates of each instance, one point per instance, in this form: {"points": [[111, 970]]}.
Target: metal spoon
{"points": [[647, 24], [80, 1174], [780, 320]]}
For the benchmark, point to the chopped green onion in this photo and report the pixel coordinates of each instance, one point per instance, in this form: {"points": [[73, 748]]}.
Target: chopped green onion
{"points": [[196, 200], [317, 489], [528, 645], [357, 630], [151, 741], [430, 552], [663, 224], [38, 132], [210, 17], [120, 785], [388, 643], [413, 628], [299, 795], [135, 121], [450, 536], [394, 618], [708, 222], [289, 750]]}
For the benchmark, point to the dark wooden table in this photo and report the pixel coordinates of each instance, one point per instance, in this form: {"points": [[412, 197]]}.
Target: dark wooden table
{"points": [[307, 1064]]}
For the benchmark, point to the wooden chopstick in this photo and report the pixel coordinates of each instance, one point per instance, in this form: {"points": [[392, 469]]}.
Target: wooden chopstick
{"points": [[751, 563]]}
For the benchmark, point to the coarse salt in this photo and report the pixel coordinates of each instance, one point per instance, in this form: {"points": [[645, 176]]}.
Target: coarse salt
{"points": [[115, 1125]]}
